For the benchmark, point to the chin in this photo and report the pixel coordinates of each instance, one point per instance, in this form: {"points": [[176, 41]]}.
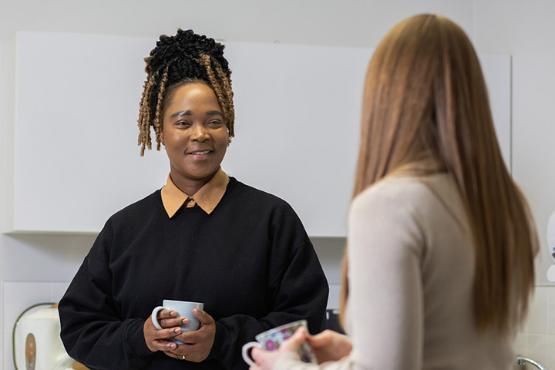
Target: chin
{"points": [[201, 175]]}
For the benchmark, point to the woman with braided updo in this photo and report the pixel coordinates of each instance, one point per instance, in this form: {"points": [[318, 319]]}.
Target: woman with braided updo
{"points": [[203, 237]]}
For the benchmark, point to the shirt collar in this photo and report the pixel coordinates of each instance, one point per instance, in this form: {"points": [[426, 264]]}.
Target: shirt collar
{"points": [[207, 197]]}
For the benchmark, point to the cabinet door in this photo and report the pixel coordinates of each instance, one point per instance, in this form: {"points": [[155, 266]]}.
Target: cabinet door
{"points": [[297, 122], [76, 155], [297, 126]]}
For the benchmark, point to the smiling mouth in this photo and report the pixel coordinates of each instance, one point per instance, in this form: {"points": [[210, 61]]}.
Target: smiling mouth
{"points": [[200, 152]]}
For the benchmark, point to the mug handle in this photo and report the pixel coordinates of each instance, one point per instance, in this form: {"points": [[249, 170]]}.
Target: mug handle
{"points": [[245, 352], [154, 317]]}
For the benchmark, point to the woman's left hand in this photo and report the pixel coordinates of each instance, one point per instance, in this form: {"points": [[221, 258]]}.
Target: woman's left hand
{"points": [[266, 360], [196, 344]]}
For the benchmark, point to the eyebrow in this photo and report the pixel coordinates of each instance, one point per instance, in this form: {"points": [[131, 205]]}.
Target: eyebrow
{"points": [[214, 113], [189, 113], [181, 113]]}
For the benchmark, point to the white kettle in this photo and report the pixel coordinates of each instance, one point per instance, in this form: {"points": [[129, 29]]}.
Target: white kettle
{"points": [[36, 340]]}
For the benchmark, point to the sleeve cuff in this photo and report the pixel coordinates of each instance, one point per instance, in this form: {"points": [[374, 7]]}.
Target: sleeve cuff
{"points": [[136, 338], [219, 342]]}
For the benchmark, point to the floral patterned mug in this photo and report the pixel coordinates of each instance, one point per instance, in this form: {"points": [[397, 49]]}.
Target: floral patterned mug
{"points": [[270, 340]]}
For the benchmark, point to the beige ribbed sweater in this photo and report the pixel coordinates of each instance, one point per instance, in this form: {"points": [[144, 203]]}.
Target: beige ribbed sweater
{"points": [[411, 274]]}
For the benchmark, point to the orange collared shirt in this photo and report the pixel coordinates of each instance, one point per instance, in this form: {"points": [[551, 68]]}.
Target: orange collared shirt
{"points": [[207, 197]]}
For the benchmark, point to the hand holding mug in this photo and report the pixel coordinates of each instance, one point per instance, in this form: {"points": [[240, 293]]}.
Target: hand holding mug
{"points": [[169, 318], [167, 322], [272, 340], [160, 339], [197, 344], [266, 360], [185, 318], [330, 345]]}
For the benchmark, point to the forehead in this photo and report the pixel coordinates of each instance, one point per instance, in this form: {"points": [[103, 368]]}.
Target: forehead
{"points": [[193, 96]]}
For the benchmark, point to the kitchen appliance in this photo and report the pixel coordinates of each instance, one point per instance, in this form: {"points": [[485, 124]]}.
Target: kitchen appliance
{"points": [[36, 340]]}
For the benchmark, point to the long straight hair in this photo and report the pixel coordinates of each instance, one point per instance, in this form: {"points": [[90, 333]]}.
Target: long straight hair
{"points": [[425, 97]]}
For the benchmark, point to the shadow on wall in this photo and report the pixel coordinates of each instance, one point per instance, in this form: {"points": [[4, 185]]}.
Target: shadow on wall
{"points": [[330, 254]]}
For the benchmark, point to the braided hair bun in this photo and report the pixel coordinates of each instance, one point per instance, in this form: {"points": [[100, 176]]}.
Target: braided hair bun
{"points": [[179, 59], [181, 53]]}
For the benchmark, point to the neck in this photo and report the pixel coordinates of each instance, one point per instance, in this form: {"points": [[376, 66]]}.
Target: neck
{"points": [[189, 185]]}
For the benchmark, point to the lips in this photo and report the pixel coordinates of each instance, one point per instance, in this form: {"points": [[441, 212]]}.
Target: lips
{"points": [[199, 154]]}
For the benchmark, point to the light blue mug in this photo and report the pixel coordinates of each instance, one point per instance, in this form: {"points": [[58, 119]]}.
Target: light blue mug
{"points": [[183, 308]]}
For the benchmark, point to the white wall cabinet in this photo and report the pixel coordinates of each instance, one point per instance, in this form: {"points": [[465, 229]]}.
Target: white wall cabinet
{"points": [[297, 118]]}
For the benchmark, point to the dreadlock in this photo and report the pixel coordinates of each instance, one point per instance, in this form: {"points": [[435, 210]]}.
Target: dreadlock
{"points": [[176, 60]]}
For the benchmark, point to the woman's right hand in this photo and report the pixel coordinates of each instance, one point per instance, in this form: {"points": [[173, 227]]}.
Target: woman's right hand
{"points": [[161, 339], [330, 346]]}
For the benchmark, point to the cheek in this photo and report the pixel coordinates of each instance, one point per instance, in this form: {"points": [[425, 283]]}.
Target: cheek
{"points": [[167, 130], [223, 143], [172, 139]]}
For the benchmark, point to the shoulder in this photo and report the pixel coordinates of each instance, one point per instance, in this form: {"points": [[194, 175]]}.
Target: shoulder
{"points": [[250, 195], [137, 211], [391, 215], [417, 203], [391, 194], [266, 209]]}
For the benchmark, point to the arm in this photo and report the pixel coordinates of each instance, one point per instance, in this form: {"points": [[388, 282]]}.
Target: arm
{"points": [[297, 289], [92, 329], [386, 300]]}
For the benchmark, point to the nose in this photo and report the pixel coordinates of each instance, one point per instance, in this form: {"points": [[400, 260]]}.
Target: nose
{"points": [[200, 133]]}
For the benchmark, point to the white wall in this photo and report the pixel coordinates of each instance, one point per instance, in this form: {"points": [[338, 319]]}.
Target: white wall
{"points": [[524, 29]]}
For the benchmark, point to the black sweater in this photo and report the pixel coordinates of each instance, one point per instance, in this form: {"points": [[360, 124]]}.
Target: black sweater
{"points": [[250, 261]]}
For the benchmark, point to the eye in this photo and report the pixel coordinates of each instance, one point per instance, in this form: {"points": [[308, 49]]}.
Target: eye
{"points": [[182, 123], [215, 123]]}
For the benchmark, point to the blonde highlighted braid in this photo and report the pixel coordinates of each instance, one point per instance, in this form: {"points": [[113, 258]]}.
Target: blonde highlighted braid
{"points": [[218, 84], [144, 115]]}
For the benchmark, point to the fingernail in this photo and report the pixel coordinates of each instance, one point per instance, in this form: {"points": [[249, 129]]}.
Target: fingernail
{"points": [[177, 330], [173, 313], [185, 321]]}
